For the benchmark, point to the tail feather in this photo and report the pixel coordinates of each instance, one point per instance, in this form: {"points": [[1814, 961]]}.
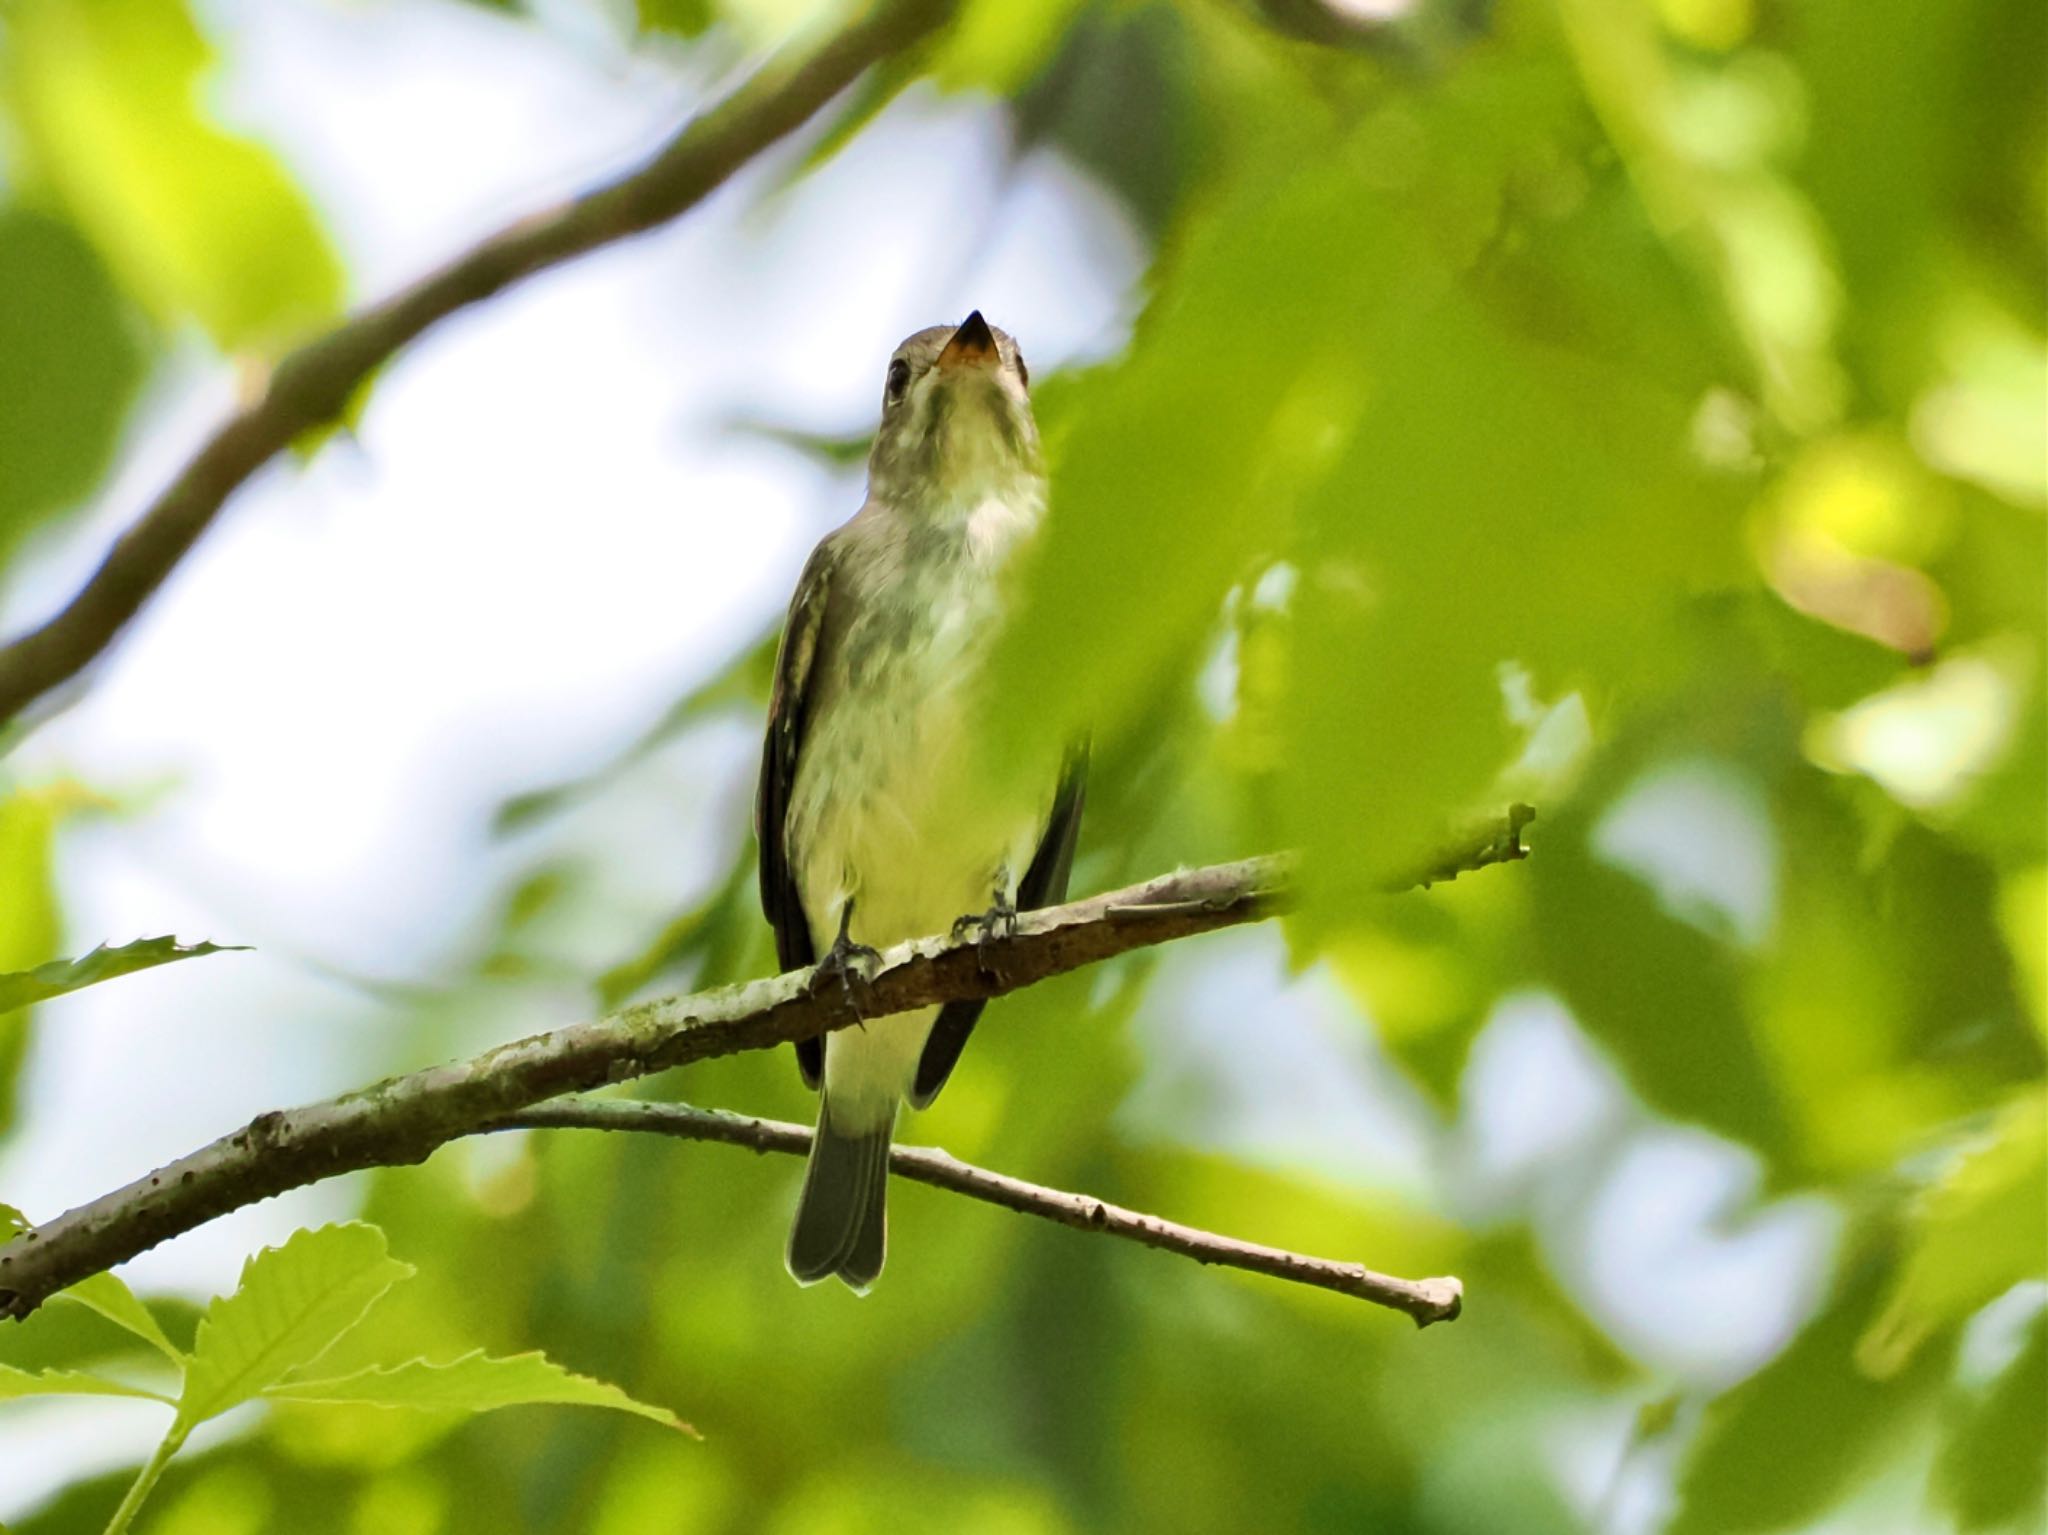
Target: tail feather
{"points": [[841, 1217]]}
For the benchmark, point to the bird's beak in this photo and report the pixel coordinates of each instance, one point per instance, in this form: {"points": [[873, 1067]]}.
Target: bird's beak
{"points": [[973, 345]]}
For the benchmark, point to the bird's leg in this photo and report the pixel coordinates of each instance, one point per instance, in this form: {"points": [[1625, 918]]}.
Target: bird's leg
{"points": [[1000, 920], [851, 962]]}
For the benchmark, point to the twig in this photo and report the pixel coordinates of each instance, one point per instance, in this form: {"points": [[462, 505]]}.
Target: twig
{"points": [[313, 385], [403, 1119], [1426, 1300]]}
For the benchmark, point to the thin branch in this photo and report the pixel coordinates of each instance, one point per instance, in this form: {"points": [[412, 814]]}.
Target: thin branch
{"points": [[1426, 1300], [313, 385], [402, 1119]]}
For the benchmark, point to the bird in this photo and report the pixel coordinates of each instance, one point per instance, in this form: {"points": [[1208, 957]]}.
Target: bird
{"points": [[871, 828]]}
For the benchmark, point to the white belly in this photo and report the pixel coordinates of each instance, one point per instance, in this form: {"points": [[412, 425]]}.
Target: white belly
{"points": [[886, 814]]}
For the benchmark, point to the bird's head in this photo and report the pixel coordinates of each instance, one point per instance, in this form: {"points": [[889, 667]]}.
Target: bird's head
{"points": [[956, 419]]}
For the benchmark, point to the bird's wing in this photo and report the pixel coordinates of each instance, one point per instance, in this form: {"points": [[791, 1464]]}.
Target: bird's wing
{"points": [[789, 707], [1044, 884]]}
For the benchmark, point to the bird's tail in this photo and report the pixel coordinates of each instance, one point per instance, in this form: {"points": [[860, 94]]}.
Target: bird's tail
{"points": [[841, 1218]]}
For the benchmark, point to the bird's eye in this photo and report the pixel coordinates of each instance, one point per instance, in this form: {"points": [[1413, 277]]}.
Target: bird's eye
{"points": [[1023, 373], [899, 379]]}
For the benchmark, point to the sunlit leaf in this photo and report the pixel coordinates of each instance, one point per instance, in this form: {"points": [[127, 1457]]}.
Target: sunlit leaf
{"points": [[1142, 488], [1977, 1232], [1892, 185], [997, 45], [1742, 223], [293, 1302], [473, 1383], [25, 988], [24, 1383], [107, 1295], [28, 921], [110, 112], [685, 18]]}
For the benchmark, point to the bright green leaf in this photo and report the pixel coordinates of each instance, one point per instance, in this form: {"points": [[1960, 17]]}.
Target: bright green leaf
{"points": [[998, 45], [23, 1383], [106, 1294], [108, 100], [25, 988], [473, 1383], [684, 18], [28, 921], [293, 1302], [1979, 1231]]}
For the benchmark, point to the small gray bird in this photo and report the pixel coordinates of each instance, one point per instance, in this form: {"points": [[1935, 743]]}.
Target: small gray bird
{"points": [[869, 835]]}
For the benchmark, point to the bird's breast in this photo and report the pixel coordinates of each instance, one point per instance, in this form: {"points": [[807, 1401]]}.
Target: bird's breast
{"points": [[884, 807]]}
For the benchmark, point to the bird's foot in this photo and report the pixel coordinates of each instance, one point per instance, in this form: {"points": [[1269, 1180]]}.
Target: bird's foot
{"points": [[853, 963], [999, 922]]}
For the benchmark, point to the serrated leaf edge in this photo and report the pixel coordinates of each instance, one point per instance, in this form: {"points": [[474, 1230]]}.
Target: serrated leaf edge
{"points": [[300, 1389]]}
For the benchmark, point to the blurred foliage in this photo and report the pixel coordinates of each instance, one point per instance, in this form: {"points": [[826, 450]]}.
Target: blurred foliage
{"points": [[1638, 409], [270, 1338], [108, 122], [70, 360], [29, 920]]}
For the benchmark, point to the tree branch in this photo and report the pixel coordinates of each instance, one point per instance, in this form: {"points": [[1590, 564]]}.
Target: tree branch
{"points": [[1426, 1300], [313, 385], [402, 1119]]}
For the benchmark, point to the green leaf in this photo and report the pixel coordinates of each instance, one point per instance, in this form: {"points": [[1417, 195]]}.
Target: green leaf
{"points": [[1668, 1003], [1991, 1469], [1430, 417], [1778, 1449], [293, 1302], [28, 920], [1975, 1234], [997, 45], [684, 18], [473, 1383], [107, 1295], [23, 1383], [108, 99], [25, 988], [70, 361]]}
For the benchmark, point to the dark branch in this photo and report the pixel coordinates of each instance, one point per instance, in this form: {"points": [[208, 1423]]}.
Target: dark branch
{"points": [[1426, 1300], [313, 385], [403, 1119]]}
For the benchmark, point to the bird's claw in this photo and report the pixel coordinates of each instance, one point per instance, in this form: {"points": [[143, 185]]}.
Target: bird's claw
{"points": [[998, 922], [853, 963]]}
